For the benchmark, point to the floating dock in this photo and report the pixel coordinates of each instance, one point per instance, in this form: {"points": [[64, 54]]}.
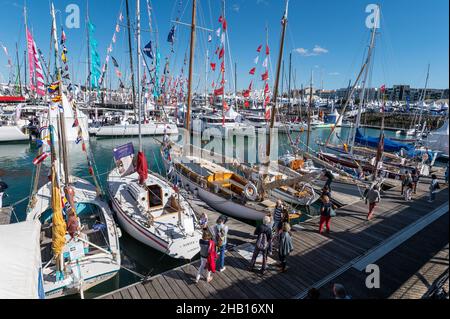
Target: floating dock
{"points": [[318, 260]]}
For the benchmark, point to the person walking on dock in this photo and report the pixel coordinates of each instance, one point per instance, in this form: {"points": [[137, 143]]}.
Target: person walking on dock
{"points": [[278, 217], [221, 235], [415, 180], [434, 187], [325, 214], [407, 179], [203, 221], [329, 176], [285, 246], [263, 244], [373, 198], [208, 257]]}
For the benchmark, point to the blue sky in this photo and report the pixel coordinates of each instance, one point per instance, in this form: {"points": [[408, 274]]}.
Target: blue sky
{"points": [[328, 37]]}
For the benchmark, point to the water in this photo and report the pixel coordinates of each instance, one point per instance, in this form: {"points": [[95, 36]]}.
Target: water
{"points": [[17, 170]]}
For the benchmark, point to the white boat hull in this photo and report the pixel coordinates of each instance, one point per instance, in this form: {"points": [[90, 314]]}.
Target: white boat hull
{"points": [[12, 134], [151, 129]]}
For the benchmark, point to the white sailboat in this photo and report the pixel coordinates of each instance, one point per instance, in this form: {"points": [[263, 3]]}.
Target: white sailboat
{"points": [[147, 206]]}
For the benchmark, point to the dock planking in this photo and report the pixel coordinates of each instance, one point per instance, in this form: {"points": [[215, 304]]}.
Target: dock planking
{"points": [[314, 259]]}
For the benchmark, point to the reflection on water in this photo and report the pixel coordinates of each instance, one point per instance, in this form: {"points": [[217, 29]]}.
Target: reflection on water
{"points": [[16, 169]]}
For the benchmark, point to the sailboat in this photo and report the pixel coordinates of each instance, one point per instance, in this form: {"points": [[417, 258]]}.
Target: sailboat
{"points": [[148, 207], [79, 238]]}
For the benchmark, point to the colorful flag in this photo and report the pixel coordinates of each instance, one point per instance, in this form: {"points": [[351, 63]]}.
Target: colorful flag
{"points": [[213, 67], [252, 71], [38, 160], [63, 36], [265, 76], [171, 36], [114, 62], [221, 53], [209, 38], [259, 49], [266, 62], [148, 50], [256, 60], [267, 50], [219, 91]]}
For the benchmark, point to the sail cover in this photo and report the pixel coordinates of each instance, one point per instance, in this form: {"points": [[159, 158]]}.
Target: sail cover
{"points": [[20, 264], [142, 167], [389, 145]]}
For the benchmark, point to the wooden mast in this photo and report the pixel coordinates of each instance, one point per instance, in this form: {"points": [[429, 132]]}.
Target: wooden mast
{"points": [[277, 79], [191, 66]]}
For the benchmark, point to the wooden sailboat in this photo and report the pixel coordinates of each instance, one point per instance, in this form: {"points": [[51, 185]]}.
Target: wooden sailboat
{"points": [[148, 207], [85, 252]]}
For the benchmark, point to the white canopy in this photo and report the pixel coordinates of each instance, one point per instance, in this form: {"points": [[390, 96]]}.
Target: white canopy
{"points": [[439, 139], [20, 261]]}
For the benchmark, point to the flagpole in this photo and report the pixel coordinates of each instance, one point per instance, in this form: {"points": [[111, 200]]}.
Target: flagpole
{"points": [[133, 89]]}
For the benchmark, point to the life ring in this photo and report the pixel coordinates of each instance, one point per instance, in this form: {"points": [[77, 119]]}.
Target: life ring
{"points": [[251, 192]]}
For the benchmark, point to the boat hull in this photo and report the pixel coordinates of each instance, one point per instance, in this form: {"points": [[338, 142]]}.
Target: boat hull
{"points": [[12, 134]]}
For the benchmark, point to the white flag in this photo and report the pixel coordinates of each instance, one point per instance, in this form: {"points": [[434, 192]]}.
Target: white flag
{"points": [[218, 32], [257, 60], [265, 63], [222, 39], [209, 38]]}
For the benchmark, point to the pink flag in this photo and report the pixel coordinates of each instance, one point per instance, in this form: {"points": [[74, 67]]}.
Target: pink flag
{"points": [[30, 60]]}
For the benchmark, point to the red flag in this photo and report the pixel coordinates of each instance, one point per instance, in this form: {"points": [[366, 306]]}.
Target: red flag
{"points": [[265, 76], [225, 105], [252, 71], [259, 48], [221, 53], [266, 89], [213, 66], [38, 160], [142, 168], [246, 93], [267, 50], [383, 88], [219, 91], [222, 67], [247, 104], [213, 84], [220, 19], [224, 25], [250, 86]]}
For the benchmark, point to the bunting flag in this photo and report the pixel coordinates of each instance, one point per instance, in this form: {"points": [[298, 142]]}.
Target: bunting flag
{"points": [[95, 68], [250, 86], [224, 25], [219, 91], [222, 67], [41, 158], [218, 32], [213, 67], [266, 89], [246, 94], [220, 19], [59, 226], [267, 50], [247, 104], [114, 62], [209, 38], [63, 36], [171, 36], [30, 60], [221, 53], [259, 49], [117, 28], [53, 88], [265, 76], [256, 60], [252, 71], [38, 73], [109, 50], [148, 50], [266, 62]]}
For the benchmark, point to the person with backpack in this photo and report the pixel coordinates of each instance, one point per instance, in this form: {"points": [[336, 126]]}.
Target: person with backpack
{"points": [[221, 233], [329, 176], [263, 244], [373, 198], [285, 246], [208, 257], [434, 187], [326, 212], [407, 179], [409, 185]]}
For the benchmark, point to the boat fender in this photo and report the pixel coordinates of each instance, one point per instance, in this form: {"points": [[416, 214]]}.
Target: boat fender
{"points": [[251, 192]]}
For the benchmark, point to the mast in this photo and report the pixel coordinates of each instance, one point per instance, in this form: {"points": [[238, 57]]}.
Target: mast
{"points": [[28, 51], [424, 96], [133, 89], [191, 66], [88, 38], [362, 95], [289, 82], [206, 77], [277, 79], [235, 86], [224, 63], [25, 69], [18, 67], [309, 112], [138, 15]]}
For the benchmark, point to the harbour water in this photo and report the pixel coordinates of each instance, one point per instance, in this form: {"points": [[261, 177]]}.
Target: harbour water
{"points": [[17, 170]]}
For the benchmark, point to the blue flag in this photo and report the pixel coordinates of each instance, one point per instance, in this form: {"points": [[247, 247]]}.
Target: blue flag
{"points": [[148, 51], [171, 36]]}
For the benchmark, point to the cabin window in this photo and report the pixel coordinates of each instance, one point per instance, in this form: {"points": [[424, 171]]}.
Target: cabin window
{"points": [[155, 195]]}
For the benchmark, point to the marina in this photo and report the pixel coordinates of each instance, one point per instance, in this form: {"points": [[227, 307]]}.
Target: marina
{"points": [[144, 169]]}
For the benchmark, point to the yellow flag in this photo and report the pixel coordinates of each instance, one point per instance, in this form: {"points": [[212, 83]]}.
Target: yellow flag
{"points": [[59, 224]]}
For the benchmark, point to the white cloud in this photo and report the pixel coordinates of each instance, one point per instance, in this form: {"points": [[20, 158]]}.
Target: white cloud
{"points": [[317, 50], [236, 7]]}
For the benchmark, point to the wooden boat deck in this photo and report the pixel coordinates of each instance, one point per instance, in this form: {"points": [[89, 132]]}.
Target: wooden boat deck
{"points": [[317, 260]]}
